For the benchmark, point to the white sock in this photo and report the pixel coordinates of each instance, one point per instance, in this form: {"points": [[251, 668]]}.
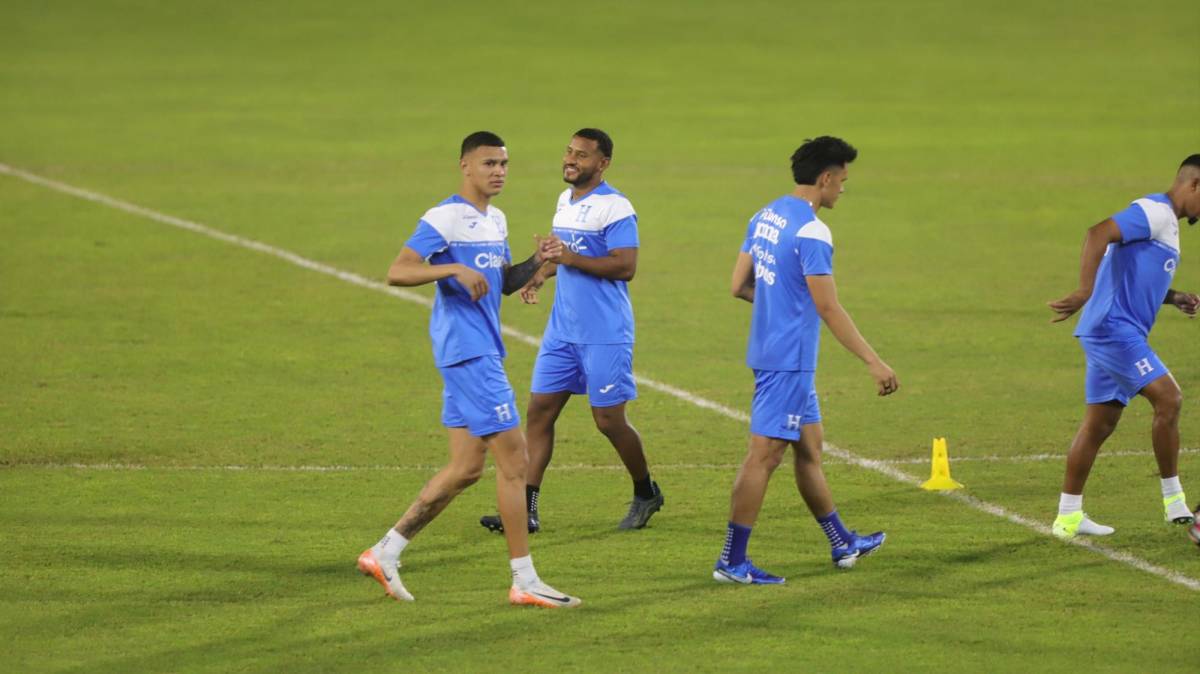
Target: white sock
{"points": [[522, 571], [1171, 486], [391, 545], [1069, 503]]}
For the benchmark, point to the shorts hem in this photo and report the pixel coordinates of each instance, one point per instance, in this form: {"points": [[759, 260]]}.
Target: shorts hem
{"points": [[612, 403]]}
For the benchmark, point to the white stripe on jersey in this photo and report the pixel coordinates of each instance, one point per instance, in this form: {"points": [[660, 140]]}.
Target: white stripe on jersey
{"points": [[460, 223], [1164, 226], [815, 229], [592, 213]]}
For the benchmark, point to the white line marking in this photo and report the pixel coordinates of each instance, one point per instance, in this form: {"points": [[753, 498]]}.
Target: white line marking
{"points": [[737, 415], [832, 458], [274, 468]]}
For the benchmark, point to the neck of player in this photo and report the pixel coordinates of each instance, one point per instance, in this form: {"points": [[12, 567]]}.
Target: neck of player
{"points": [[477, 198], [578, 191], [809, 193]]}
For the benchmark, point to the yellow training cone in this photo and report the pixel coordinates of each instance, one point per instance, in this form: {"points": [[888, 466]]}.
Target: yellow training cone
{"points": [[939, 477]]}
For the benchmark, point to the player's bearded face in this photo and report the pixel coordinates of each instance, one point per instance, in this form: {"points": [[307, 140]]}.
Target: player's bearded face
{"points": [[582, 161]]}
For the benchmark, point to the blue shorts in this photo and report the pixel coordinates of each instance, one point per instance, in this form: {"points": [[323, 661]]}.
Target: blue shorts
{"points": [[603, 371], [1119, 369], [783, 402], [477, 395]]}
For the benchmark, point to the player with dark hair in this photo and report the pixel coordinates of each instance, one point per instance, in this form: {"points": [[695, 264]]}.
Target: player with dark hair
{"points": [[588, 343], [785, 269], [1125, 275], [465, 240]]}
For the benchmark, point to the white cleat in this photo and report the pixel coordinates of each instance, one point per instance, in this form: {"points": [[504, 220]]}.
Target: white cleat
{"points": [[541, 594], [1077, 523], [1176, 510], [387, 574], [1089, 528]]}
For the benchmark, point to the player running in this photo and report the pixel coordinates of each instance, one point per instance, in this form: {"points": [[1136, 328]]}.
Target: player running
{"points": [[465, 240], [785, 268], [1125, 275], [588, 343]]}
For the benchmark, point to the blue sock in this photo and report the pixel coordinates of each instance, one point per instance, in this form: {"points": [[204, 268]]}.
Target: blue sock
{"points": [[736, 538], [831, 524]]}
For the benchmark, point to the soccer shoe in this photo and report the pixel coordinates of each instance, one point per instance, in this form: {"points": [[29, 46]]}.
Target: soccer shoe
{"points": [[640, 509], [1176, 510], [744, 574], [846, 556], [1067, 527], [389, 578], [541, 595], [493, 523]]}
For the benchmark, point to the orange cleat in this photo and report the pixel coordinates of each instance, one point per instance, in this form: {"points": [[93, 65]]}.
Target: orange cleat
{"points": [[389, 578], [541, 595]]}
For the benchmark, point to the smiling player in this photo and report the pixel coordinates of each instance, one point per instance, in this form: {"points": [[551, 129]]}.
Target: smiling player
{"points": [[588, 343]]}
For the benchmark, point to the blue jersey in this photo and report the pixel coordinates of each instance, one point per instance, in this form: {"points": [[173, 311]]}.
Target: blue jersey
{"points": [[787, 243], [455, 231], [589, 309], [1135, 274]]}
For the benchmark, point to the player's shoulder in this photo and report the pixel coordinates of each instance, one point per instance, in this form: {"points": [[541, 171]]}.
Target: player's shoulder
{"points": [[457, 219], [613, 199], [816, 230], [1157, 206], [446, 212]]}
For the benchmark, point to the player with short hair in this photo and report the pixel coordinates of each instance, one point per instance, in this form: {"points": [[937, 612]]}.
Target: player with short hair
{"points": [[1125, 275], [465, 240], [588, 343], [785, 269]]}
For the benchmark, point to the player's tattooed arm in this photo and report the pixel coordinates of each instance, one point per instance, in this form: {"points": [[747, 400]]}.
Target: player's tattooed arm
{"points": [[1188, 303], [742, 283], [516, 276]]}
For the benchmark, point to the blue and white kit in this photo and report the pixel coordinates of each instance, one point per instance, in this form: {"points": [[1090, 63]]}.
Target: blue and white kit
{"points": [[1131, 284], [787, 242], [467, 347], [588, 343]]}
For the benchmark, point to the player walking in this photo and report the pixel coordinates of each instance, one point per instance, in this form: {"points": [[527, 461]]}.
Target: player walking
{"points": [[588, 344], [1125, 275], [785, 268], [465, 240]]}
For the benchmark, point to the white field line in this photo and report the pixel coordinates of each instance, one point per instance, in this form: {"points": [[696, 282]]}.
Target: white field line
{"points": [[737, 415], [832, 459]]}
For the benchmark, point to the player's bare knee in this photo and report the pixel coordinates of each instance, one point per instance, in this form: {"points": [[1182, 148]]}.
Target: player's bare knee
{"points": [[1168, 406], [465, 475], [608, 422]]}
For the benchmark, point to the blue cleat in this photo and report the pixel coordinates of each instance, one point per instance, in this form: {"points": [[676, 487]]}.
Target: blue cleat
{"points": [[744, 574], [845, 556]]}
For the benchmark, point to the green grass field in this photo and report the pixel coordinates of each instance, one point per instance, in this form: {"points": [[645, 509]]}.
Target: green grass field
{"points": [[197, 439]]}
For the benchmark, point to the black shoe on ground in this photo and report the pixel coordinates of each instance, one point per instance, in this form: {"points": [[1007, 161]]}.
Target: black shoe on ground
{"points": [[493, 523], [640, 509]]}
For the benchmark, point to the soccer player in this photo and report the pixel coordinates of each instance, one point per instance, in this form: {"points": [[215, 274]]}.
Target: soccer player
{"points": [[465, 240], [785, 269], [1125, 275], [588, 344]]}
